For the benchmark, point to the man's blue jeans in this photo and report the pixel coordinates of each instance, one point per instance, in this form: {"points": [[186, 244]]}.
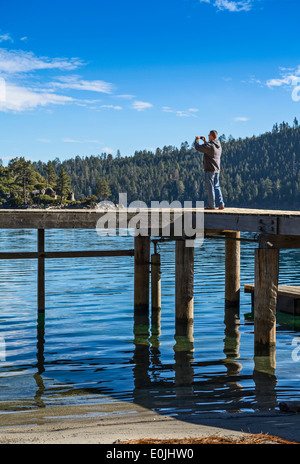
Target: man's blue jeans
{"points": [[213, 189]]}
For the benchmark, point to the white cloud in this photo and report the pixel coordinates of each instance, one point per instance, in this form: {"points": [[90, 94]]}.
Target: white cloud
{"points": [[167, 109], [181, 113], [241, 118], [69, 140], [229, 5], [141, 106], [25, 83], [289, 77], [113, 107], [5, 37], [18, 98], [18, 61], [108, 150], [76, 83], [126, 96]]}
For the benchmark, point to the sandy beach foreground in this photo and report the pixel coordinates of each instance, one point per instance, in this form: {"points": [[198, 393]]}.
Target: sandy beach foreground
{"points": [[111, 423]]}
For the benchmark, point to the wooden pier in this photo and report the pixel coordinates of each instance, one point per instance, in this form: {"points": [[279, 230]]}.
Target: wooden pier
{"points": [[275, 230]]}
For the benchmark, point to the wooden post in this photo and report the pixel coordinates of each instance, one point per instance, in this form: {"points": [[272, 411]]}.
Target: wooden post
{"points": [[41, 272], [155, 297], [141, 274], [232, 268], [265, 300], [184, 282], [155, 282]]}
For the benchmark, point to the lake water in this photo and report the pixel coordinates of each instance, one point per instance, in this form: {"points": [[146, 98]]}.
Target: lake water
{"points": [[91, 351]]}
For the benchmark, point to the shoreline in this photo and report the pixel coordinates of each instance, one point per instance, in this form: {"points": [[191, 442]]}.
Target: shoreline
{"points": [[119, 422]]}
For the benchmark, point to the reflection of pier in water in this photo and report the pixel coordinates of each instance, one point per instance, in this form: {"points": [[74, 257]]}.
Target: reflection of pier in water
{"points": [[184, 392], [275, 230]]}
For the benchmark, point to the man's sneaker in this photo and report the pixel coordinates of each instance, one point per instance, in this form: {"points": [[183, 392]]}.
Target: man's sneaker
{"points": [[221, 207]]}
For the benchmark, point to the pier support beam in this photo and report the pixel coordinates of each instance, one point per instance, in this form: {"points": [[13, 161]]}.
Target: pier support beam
{"points": [[232, 268], [141, 275], [155, 282], [265, 300], [41, 272], [155, 290], [184, 283]]}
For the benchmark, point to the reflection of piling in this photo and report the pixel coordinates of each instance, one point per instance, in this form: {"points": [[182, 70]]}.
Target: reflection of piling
{"points": [[183, 354], [141, 357], [232, 340], [265, 382], [40, 360]]}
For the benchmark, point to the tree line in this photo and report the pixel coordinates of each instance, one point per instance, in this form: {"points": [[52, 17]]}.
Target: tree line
{"points": [[258, 171]]}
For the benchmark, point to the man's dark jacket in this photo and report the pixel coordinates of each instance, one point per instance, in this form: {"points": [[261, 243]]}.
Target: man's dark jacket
{"points": [[211, 155]]}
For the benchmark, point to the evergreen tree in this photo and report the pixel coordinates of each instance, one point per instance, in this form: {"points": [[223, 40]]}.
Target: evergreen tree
{"points": [[24, 175], [63, 185], [103, 189], [51, 175]]}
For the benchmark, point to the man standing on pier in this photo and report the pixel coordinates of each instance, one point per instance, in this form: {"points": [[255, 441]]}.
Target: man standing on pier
{"points": [[212, 151]]}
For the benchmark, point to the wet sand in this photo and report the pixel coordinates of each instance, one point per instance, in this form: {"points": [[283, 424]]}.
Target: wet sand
{"points": [[110, 423]]}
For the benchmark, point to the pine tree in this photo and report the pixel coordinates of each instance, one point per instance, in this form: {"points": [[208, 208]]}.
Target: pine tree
{"points": [[63, 185], [51, 175], [103, 189], [23, 174]]}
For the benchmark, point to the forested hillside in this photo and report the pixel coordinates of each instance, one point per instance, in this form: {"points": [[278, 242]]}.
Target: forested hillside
{"points": [[261, 171]]}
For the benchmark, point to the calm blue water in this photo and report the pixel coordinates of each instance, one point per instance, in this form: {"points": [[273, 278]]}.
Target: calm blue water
{"points": [[90, 351]]}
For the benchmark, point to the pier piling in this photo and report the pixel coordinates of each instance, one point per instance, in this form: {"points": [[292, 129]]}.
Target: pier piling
{"points": [[184, 283], [155, 282], [232, 268], [265, 300], [141, 274], [41, 271]]}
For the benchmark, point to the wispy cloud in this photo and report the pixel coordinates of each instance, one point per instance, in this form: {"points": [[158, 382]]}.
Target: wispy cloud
{"points": [[19, 61], [125, 96], [19, 98], [108, 150], [241, 119], [70, 140], [77, 83], [288, 77], [191, 112], [141, 106], [5, 38], [229, 5], [113, 107], [27, 82]]}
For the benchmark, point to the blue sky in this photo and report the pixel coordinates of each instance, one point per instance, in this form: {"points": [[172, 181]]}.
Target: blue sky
{"points": [[81, 78]]}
